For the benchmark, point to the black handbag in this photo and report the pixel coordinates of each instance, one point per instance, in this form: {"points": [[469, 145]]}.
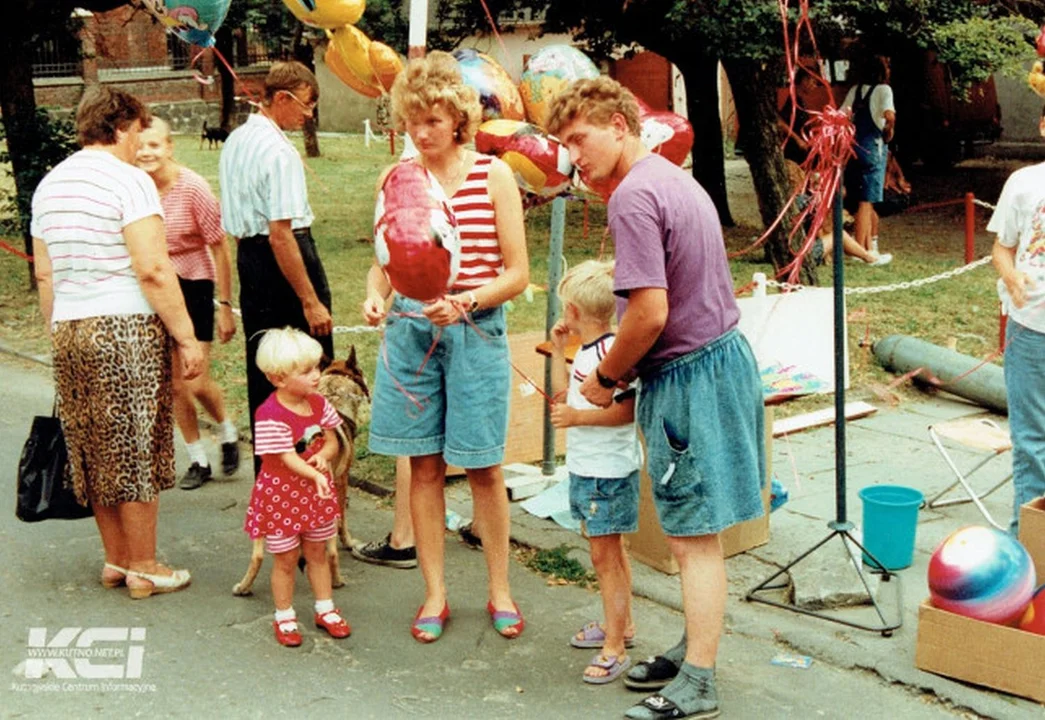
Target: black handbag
{"points": [[44, 491]]}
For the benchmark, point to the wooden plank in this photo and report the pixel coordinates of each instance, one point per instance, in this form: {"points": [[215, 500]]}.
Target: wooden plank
{"points": [[788, 426]]}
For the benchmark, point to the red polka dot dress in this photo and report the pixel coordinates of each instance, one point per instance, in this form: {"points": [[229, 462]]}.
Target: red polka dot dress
{"points": [[283, 503]]}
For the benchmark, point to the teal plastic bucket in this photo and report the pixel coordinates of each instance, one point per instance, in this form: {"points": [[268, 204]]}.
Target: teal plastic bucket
{"points": [[890, 520]]}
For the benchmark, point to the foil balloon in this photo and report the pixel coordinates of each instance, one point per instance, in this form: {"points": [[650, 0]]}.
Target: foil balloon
{"points": [[194, 21], [540, 163], [668, 134], [1034, 617], [982, 573], [353, 48], [337, 65], [328, 14], [416, 238], [1039, 45], [1036, 78], [497, 93], [385, 63], [548, 72]]}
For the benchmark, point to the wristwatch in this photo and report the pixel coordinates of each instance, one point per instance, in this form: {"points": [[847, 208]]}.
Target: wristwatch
{"points": [[606, 382], [473, 302]]}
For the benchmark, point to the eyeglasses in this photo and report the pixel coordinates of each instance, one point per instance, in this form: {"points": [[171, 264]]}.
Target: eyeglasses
{"points": [[307, 107]]}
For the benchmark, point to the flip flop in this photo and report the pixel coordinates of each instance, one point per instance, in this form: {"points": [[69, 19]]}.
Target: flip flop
{"points": [[614, 665], [655, 673], [595, 637]]}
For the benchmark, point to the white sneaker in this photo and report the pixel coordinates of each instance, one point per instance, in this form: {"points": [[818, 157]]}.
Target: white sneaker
{"points": [[881, 259]]}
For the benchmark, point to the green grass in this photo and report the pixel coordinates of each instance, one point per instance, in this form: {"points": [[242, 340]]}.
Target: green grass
{"points": [[341, 186]]}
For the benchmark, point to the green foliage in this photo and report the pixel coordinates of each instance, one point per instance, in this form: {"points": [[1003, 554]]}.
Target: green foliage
{"points": [[972, 49], [557, 562], [52, 141]]}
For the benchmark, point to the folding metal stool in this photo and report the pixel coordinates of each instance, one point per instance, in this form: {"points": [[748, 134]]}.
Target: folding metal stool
{"points": [[977, 433]]}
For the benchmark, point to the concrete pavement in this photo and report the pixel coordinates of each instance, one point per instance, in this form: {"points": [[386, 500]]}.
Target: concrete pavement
{"points": [[208, 654]]}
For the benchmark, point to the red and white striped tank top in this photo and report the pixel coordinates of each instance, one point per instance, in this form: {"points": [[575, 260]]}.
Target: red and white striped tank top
{"points": [[481, 259]]}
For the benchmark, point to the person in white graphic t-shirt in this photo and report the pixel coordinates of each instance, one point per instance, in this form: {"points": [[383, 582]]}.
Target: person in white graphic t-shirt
{"points": [[603, 457]]}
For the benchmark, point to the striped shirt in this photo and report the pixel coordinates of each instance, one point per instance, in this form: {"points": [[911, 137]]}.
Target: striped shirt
{"points": [[79, 212], [262, 180], [278, 430], [193, 219], [481, 259]]}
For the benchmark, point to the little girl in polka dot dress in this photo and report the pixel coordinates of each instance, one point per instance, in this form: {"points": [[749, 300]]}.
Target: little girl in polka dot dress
{"points": [[293, 504]]}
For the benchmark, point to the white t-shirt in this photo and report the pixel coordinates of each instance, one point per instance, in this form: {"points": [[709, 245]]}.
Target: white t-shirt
{"points": [[881, 101], [79, 211], [262, 179], [598, 451], [1019, 222]]}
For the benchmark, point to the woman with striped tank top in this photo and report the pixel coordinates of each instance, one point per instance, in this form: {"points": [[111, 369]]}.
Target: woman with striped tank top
{"points": [[464, 385]]}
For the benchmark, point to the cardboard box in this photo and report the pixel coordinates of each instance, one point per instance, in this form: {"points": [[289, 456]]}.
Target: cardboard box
{"points": [[1032, 534], [649, 546], [995, 656]]}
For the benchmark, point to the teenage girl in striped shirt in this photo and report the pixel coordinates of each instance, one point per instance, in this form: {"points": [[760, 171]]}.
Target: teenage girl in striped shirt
{"points": [[465, 384]]}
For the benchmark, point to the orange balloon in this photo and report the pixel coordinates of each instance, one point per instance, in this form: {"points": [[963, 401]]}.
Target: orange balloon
{"points": [[354, 49], [337, 66], [386, 64]]}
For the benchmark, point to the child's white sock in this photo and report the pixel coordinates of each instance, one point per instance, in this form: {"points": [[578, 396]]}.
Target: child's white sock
{"points": [[287, 615], [874, 244], [324, 606], [197, 453], [229, 433]]}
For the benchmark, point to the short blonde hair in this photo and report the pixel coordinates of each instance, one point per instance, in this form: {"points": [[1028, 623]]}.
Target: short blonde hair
{"points": [[589, 286], [431, 80], [594, 100], [283, 351]]}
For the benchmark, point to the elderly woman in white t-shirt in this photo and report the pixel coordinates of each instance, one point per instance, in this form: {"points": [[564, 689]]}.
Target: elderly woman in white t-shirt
{"points": [[874, 115], [110, 298]]}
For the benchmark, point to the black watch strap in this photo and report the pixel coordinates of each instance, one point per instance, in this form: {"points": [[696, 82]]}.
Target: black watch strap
{"points": [[606, 382]]}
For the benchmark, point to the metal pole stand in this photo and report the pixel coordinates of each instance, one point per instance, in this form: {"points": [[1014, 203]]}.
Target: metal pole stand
{"points": [[840, 527]]}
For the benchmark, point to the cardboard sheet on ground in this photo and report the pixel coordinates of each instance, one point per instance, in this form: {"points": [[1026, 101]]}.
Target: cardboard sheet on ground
{"points": [[554, 503], [792, 335]]}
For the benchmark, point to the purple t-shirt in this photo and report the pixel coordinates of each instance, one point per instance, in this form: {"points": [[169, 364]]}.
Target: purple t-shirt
{"points": [[667, 235]]}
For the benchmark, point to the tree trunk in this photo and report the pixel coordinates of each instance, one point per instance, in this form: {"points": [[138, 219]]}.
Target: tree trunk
{"points": [[223, 43], [754, 91], [18, 104], [304, 53], [702, 105]]}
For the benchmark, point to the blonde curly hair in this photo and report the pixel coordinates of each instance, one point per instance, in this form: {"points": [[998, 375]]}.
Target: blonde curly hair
{"points": [[595, 100], [431, 80]]}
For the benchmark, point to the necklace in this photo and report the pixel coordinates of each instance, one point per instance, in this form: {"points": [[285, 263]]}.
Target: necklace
{"points": [[451, 180]]}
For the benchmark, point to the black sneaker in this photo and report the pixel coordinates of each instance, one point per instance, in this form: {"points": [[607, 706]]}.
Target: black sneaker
{"points": [[229, 457], [381, 552], [195, 476]]}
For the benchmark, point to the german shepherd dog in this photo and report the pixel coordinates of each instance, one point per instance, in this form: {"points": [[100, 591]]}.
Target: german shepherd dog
{"points": [[213, 136], [344, 386]]}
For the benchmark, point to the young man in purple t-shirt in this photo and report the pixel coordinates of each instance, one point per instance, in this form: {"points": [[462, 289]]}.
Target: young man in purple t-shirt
{"points": [[700, 405]]}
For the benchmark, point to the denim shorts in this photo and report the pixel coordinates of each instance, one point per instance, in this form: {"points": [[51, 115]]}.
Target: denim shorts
{"points": [[608, 506], [702, 418], [455, 403]]}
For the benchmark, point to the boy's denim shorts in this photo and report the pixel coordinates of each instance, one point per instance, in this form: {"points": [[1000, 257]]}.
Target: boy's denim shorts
{"points": [[462, 388], [702, 418], [608, 506]]}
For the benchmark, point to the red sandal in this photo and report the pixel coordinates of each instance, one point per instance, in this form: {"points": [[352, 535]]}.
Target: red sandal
{"points": [[432, 625], [504, 621]]}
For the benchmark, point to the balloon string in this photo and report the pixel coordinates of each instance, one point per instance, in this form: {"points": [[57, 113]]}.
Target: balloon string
{"points": [[493, 26]]}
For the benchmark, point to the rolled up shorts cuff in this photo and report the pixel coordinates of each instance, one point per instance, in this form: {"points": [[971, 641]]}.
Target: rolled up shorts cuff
{"points": [[412, 447], [474, 459]]}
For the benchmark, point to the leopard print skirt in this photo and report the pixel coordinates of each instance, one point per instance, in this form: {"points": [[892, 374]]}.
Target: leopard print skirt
{"points": [[115, 400]]}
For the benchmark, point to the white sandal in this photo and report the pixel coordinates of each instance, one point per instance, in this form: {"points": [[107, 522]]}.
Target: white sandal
{"points": [[177, 580], [115, 582]]}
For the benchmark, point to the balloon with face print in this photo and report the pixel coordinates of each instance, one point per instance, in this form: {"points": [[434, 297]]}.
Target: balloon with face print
{"points": [[416, 238], [540, 163], [194, 21], [548, 72], [327, 13]]}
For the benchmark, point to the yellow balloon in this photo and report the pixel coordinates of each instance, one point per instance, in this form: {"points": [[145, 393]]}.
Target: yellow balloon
{"points": [[354, 48], [386, 64], [327, 13], [337, 66]]}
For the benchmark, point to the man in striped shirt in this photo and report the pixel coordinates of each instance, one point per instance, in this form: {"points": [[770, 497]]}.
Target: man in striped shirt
{"points": [[264, 204]]}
